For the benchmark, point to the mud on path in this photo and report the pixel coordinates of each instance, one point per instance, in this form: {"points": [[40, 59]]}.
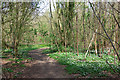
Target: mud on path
{"points": [[43, 66]]}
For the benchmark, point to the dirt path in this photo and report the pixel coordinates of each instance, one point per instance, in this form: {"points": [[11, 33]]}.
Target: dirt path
{"points": [[43, 67]]}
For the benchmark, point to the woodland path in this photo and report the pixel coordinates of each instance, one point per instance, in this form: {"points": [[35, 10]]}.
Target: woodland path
{"points": [[43, 66]]}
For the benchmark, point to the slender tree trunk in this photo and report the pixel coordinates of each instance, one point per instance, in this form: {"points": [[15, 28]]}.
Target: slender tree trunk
{"points": [[65, 39], [115, 26], [90, 44], [99, 30], [119, 22], [84, 25], [50, 19], [95, 41], [15, 33], [118, 29], [77, 32], [2, 24], [74, 41]]}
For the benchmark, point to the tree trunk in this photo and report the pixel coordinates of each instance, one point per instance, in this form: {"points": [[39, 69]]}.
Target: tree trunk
{"points": [[77, 32], [84, 25]]}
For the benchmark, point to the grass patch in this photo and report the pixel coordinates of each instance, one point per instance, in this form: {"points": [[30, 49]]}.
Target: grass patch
{"points": [[92, 65], [22, 50], [47, 51], [26, 48], [19, 62]]}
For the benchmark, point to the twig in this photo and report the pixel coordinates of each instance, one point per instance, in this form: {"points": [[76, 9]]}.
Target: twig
{"points": [[110, 66]]}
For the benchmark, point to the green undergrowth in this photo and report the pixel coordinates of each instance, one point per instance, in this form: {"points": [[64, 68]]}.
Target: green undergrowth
{"points": [[93, 66], [47, 51], [23, 50], [22, 53], [19, 62], [26, 48]]}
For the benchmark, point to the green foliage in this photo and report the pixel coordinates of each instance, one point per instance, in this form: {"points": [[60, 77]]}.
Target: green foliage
{"points": [[92, 65], [35, 32], [8, 69], [31, 47], [22, 65], [22, 52], [47, 51]]}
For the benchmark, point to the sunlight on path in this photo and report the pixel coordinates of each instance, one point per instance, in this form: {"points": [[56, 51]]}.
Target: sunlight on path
{"points": [[43, 67]]}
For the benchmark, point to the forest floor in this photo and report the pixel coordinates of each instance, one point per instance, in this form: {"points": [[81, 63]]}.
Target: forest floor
{"points": [[42, 62], [43, 66]]}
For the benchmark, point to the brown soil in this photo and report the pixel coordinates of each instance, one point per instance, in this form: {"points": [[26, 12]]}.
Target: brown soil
{"points": [[43, 67]]}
